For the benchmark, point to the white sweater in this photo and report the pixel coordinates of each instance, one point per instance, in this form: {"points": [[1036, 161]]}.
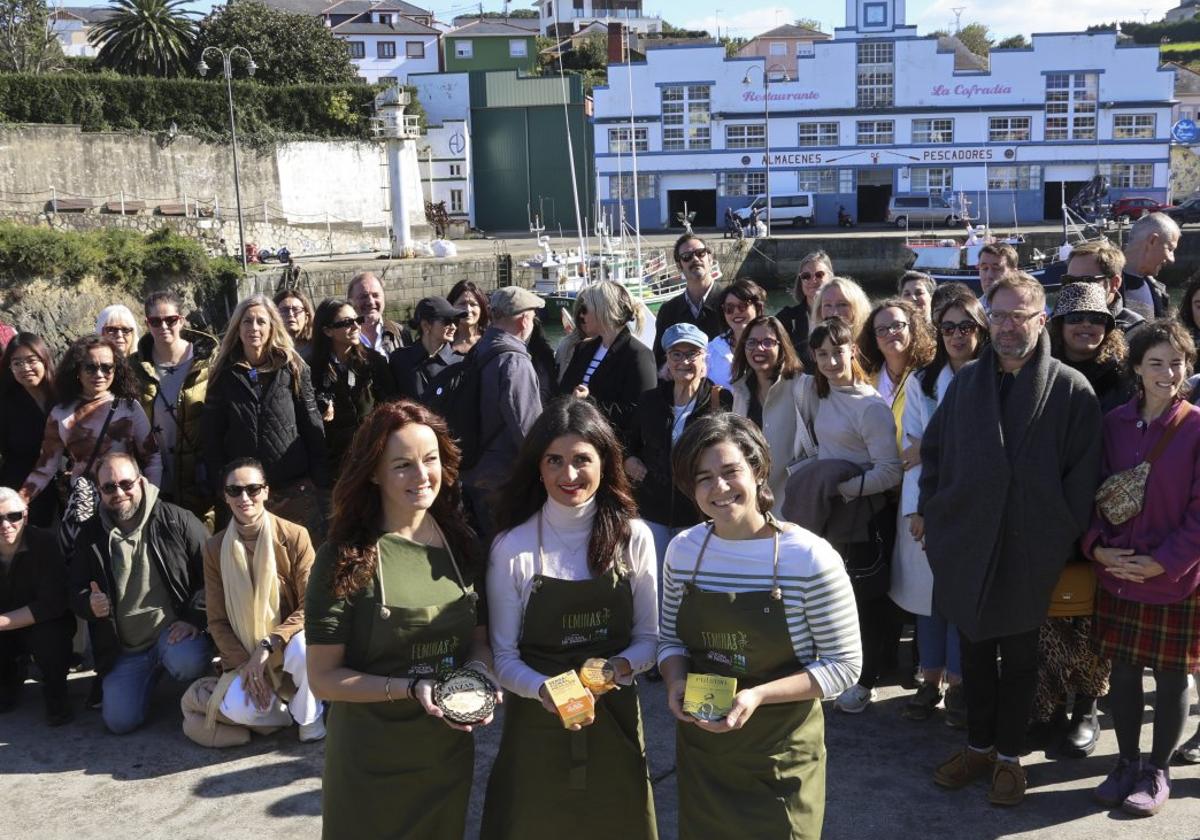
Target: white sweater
{"points": [[514, 563], [855, 424]]}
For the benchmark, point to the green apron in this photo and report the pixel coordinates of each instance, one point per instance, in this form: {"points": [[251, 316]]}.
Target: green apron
{"points": [[391, 770], [767, 779], [548, 782]]}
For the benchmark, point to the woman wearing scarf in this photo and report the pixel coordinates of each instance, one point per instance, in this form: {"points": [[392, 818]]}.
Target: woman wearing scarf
{"points": [[255, 575]]}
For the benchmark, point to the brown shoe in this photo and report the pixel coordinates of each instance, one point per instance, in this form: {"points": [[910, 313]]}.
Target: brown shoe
{"points": [[1008, 784], [965, 766]]}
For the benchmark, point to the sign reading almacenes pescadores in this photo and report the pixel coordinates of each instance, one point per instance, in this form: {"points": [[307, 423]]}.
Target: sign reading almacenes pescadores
{"points": [[935, 154]]}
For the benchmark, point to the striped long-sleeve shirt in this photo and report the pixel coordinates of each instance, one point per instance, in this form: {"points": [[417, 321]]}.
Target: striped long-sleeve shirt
{"points": [[818, 600]]}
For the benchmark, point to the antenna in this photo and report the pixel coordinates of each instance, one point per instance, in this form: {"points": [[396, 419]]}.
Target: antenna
{"points": [[1145, 14], [717, 23], [958, 10]]}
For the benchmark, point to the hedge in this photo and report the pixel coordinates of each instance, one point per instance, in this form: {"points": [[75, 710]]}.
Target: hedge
{"points": [[265, 114]]}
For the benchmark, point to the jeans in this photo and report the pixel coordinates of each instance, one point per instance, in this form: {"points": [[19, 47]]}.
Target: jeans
{"points": [[128, 686], [303, 708], [937, 640], [999, 696]]}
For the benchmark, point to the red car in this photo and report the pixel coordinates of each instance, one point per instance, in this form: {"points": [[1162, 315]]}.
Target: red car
{"points": [[1126, 210]]}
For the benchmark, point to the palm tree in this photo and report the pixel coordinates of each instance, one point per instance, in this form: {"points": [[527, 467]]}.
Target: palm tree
{"points": [[146, 37]]}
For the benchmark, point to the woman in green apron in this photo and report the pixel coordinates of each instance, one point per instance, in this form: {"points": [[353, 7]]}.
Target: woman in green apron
{"points": [[769, 604], [391, 604], [571, 577]]}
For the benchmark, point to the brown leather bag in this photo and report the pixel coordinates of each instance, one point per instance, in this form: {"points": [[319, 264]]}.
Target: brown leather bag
{"points": [[1075, 593]]}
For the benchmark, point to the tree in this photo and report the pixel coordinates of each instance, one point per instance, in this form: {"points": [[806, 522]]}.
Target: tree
{"points": [[1013, 42], [288, 48], [732, 45], [976, 38], [809, 23], [146, 38], [27, 42]]}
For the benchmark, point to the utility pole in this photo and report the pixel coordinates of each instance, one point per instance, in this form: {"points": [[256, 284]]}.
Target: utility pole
{"points": [[958, 10]]}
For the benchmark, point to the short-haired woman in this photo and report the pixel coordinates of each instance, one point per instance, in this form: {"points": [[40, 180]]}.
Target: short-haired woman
{"points": [[1148, 603], [118, 324], [468, 330], [739, 303], [296, 311], [917, 288], [769, 604], [571, 577], [814, 269], [392, 603], [841, 297], [255, 578], [27, 392]]}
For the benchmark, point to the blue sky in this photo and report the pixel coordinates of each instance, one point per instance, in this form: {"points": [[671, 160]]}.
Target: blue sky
{"points": [[749, 17]]}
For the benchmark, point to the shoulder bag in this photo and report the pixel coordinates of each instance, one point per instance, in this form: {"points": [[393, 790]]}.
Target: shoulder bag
{"points": [[81, 503], [1120, 497]]}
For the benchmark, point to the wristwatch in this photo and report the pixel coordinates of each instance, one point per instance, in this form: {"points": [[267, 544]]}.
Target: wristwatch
{"points": [[267, 645]]}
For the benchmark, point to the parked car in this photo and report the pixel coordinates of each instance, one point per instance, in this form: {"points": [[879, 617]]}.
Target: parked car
{"points": [[1185, 212], [796, 209], [1126, 210], [907, 210]]}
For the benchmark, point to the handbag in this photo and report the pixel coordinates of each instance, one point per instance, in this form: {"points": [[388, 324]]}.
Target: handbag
{"points": [[868, 560], [81, 503], [1119, 498], [1075, 593]]}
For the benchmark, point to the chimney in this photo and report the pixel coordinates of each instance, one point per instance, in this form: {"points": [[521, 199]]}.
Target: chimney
{"points": [[616, 43]]}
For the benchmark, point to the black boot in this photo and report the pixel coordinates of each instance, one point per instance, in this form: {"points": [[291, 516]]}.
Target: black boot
{"points": [[1080, 740], [1041, 735]]}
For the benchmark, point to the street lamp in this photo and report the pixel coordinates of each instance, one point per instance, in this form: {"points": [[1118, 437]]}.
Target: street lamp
{"points": [[766, 71], [202, 69]]}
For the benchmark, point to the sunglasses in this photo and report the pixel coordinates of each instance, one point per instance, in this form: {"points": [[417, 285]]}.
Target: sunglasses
{"points": [[762, 343], [734, 307], [125, 485], [1095, 319], [949, 328], [103, 368], [13, 518], [168, 321], [894, 328], [1084, 278], [805, 276], [694, 254], [118, 330], [235, 491], [347, 323]]}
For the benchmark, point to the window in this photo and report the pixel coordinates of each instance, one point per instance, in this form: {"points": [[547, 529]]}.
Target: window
{"points": [[745, 137], [456, 204], [1071, 106], [778, 48], [463, 49], [1008, 129], [517, 48], [875, 132], [1133, 127], [876, 74], [686, 117], [618, 140], [932, 180], [1138, 176], [389, 81], [456, 170], [804, 48], [414, 49], [385, 49], [621, 186], [825, 180], [550, 10], [745, 183], [933, 131], [358, 49], [385, 19], [1014, 177], [818, 134], [875, 14]]}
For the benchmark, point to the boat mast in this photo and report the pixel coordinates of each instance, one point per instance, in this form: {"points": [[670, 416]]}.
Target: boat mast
{"points": [[637, 212], [562, 78]]}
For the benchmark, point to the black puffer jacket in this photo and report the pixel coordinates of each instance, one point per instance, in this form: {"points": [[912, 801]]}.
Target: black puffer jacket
{"points": [[795, 320], [650, 441], [278, 426]]}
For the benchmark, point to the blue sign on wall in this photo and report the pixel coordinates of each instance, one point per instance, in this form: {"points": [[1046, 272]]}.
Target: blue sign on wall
{"points": [[1185, 131]]}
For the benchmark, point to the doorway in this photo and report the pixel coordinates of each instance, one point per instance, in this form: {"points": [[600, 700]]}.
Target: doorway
{"points": [[874, 193], [701, 202], [1054, 197]]}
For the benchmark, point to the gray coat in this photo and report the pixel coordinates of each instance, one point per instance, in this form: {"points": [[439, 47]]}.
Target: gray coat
{"points": [[1006, 494], [511, 401]]}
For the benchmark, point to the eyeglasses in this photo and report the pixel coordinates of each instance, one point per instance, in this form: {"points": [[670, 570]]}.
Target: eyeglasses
{"points": [[694, 254], [102, 368], [805, 276], [1084, 278], [894, 328], [1095, 319], [291, 310], [1018, 319], [235, 491], [125, 485], [14, 517], [122, 331], [949, 328], [347, 323], [26, 363], [168, 321], [684, 355], [762, 343], [733, 307]]}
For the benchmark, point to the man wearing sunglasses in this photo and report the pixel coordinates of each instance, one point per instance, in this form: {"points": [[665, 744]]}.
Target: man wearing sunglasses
{"points": [[1102, 262], [137, 575], [415, 366], [697, 304]]}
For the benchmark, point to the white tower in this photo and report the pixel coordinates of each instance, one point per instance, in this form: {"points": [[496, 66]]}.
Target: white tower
{"points": [[399, 132]]}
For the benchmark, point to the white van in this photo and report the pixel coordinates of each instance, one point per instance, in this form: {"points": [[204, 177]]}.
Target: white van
{"points": [[796, 209], [912, 210]]}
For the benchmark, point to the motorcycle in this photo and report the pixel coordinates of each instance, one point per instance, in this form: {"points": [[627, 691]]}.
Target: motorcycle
{"points": [[844, 219]]}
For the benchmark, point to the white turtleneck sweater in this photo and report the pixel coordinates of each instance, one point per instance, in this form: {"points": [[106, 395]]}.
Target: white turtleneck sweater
{"points": [[514, 563]]}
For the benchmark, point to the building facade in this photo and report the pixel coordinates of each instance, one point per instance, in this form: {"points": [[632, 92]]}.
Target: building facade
{"points": [[444, 159], [490, 44], [560, 18], [72, 25], [879, 111], [391, 52], [783, 47]]}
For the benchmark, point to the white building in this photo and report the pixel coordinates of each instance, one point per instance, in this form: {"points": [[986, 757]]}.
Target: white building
{"points": [[562, 17], [444, 158], [389, 52], [72, 25], [879, 111]]}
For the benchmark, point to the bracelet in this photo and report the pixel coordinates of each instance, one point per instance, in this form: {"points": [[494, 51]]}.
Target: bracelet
{"points": [[387, 689], [412, 686]]}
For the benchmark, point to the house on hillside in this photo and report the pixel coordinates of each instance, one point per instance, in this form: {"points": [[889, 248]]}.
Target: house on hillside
{"points": [[1186, 10], [490, 44], [560, 18], [782, 46], [72, 25]]}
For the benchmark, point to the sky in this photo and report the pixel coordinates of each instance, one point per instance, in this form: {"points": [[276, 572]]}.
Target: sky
{"points": [[747, 18]]}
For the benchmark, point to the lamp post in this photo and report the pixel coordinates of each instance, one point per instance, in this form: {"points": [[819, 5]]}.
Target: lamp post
{"points": [[227, 63], [766, 71]]}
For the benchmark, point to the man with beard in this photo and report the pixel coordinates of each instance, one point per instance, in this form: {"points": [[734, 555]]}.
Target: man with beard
{"points": [[137, 575], [1010, 462], [697, 304], [378, 333]]}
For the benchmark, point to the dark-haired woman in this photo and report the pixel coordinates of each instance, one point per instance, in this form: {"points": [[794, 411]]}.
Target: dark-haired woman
{"points": [[962, 332], [814, 270], [571, 577], [392, 603], [296, 311], [348, 379], [468, 330], [1084, 335], [97, 412], [739, 303], [769, 604], [1148, 603], [27, 392]]}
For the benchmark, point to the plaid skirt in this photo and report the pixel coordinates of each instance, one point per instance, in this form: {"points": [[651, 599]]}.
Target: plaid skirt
{"points": [[1165, 637]]}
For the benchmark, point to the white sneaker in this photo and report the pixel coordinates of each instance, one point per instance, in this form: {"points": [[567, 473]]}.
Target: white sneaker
{"points": [[314, 731], [854, 700]]}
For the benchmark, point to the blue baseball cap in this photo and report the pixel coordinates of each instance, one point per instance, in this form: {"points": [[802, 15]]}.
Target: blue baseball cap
{"points": [[684, 333]]}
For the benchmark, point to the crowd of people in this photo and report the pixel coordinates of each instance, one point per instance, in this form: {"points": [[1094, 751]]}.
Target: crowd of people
{"points": [[315, 518]]}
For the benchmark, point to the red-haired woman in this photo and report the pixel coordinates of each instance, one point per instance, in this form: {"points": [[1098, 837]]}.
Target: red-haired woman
{"points": [[391, 603]]}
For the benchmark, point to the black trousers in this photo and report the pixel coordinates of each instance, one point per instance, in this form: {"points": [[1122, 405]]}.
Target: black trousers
{"points": [[879, 625], [999, 694], [49, 643]]}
